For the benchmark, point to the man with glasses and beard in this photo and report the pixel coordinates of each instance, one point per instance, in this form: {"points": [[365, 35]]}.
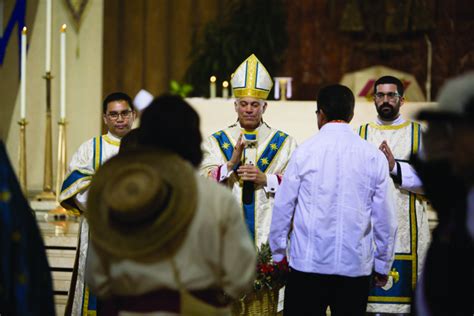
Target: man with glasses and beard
{"points": [[118, 116], [399, 139]]}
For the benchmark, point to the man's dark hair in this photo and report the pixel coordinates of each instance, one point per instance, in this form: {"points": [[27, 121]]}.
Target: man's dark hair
{"points": [[392, 80], [130, 141], [337, 102], [116, 96], [171, 123]]}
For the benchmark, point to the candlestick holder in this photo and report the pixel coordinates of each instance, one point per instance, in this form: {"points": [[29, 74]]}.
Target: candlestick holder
{"points": [[283, 89], [22, 156], [48, 193], [62, 156]]}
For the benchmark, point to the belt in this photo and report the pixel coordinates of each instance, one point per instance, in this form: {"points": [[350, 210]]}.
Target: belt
{"points": [[165, 300]]}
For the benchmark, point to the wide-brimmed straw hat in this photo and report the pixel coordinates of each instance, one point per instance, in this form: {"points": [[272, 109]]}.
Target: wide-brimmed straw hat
{"points": [[141, 203]]}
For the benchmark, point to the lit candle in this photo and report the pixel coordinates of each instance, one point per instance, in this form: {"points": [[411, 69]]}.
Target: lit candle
{"points": [[48, 35], [63, 73], [23, 75], [225, 89], [212, 87]]}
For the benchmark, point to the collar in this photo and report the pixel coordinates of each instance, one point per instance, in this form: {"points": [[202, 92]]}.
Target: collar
{"points": [[113, 137], [263, 131], [339, 126], [398, 121]]}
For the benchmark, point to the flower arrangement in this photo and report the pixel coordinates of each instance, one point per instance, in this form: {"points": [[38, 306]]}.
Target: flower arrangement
{"points": [[270, 275]]}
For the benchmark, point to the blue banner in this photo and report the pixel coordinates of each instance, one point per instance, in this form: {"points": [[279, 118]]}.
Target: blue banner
{"points": [[17, 17]]}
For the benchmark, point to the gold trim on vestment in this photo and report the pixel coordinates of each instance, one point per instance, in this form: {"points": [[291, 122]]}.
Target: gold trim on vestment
{"points": [[111, 141], [390, 127]]}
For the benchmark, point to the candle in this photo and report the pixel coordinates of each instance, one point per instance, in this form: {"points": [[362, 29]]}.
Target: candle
{"points": [[276, 92], [48, 35], [23, 75], [212, 87], [225, 89], [63, 73], [288, 88]]}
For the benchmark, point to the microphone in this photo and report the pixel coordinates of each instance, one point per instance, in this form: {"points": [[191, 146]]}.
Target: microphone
{"points": [[250, 158]]}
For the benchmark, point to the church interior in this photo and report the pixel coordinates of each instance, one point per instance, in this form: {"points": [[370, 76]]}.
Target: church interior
{"points": [[60, 58]]}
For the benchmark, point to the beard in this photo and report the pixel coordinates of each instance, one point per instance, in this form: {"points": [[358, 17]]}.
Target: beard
{"points": [[387, 111]]}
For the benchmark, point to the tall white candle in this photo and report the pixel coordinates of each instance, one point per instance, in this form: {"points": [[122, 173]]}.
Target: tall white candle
{"points": [[225, 89], [62, 78], [288, 88], [212, 87], [23, 75], [48, 35]]}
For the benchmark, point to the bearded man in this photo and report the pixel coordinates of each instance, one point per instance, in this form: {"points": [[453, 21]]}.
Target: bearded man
{"points": [[399, 139]]}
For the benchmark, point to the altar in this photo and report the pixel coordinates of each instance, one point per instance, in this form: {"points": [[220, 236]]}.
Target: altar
{"points": [[297, 118]]}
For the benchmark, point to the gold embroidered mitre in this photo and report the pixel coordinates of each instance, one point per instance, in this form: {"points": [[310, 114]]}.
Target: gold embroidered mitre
{"points": [[251, 79]]}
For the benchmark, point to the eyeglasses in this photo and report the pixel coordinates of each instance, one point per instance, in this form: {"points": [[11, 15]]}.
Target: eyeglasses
{"points": [[390, 95], [115, 115]]}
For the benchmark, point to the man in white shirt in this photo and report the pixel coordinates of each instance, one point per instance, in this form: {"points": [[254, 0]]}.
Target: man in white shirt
{"points": [[118, 116], [398, 139], [335, 202]]}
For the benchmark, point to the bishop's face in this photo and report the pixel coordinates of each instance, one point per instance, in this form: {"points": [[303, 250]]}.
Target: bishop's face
{"points": [[388, 101], [250, 111]]}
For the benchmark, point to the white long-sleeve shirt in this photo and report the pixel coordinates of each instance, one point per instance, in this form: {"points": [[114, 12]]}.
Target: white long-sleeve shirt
{"points": [[337, 191]]}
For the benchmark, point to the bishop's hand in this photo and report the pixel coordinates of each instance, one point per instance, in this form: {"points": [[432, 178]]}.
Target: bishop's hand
{"points": [[253, 174], [237, 154]]}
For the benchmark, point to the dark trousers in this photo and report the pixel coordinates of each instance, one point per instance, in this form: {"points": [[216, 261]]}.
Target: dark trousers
{"points": [[312, 293]]}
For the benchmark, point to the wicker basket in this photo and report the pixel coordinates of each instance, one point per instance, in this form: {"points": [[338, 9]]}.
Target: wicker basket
{"points": [[261, 302]]}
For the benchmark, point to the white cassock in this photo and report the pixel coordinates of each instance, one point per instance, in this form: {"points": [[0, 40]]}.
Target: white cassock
{"points": [[413, 235], [84, 164], [274, 149]]}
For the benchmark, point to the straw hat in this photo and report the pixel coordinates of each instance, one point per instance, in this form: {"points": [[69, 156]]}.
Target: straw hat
{"points": [[141, 203]]}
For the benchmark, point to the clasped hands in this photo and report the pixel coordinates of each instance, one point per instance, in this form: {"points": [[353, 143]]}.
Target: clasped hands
{"points": [[245, 172]]}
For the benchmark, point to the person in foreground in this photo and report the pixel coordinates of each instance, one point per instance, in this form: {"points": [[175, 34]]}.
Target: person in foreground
{"points": [[335, 204], [165, 241], [446, 169], [26, 288]]}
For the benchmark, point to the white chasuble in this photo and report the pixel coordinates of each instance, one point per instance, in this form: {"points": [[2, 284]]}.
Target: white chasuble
{"points": [[274, 149], [413, 233]]}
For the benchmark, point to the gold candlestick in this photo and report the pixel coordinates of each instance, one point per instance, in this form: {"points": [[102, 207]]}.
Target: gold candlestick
{"points": [[48, 193], [283, 90], [62, 156], [22, 156]]}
